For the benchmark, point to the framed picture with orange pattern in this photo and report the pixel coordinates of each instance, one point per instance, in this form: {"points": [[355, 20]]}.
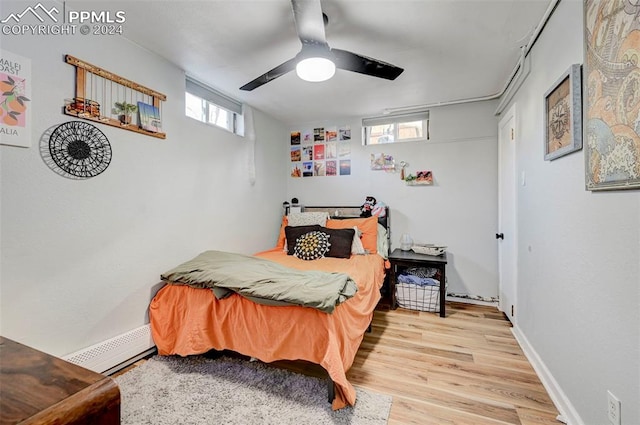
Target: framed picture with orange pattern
{"points": [[15, 98]]}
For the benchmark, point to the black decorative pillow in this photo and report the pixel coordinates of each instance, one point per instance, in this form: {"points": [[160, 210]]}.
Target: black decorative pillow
{"points": [[341, 242], [292, 234], [311, 246]]}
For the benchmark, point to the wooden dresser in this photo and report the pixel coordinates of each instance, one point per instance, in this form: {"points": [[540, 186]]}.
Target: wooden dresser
{"points": [[36, 388]]}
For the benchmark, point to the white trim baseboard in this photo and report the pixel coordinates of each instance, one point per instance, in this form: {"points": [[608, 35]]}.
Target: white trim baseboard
{"points": [[108, 355], [569, 414]]}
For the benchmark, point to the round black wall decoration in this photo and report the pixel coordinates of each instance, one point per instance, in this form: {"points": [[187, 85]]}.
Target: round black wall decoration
{"points": [[80, 149]]}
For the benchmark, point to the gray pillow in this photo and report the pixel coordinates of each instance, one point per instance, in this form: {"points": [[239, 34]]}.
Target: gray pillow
{"points": [[307, 219]]}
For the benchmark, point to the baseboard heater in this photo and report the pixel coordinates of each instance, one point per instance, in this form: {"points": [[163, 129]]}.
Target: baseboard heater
{"points": [[116, 353]]}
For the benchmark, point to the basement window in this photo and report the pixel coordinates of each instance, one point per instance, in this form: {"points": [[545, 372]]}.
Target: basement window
{"points": [[206, 104], [396, 128]]}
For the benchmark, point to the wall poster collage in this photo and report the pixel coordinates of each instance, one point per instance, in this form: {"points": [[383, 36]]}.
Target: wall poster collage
{"points": [[322, 151]]}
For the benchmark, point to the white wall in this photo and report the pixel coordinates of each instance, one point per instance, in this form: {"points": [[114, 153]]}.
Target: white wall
{"points": [[82, 258], [459, 210], [579, 252]]}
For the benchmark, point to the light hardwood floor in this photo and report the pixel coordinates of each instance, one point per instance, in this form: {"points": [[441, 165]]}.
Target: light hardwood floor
{"points": [[465, 369]]}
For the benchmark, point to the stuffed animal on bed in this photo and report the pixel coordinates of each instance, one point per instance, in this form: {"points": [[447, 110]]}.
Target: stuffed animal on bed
{"points": [[367, 207], [379, 209]]}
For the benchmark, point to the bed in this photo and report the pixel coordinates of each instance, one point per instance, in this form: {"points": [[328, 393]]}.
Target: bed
{"points": [[188, 320]]}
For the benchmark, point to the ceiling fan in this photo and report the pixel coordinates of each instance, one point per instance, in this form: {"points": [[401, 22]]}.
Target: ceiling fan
{"points": [[316, 61]]}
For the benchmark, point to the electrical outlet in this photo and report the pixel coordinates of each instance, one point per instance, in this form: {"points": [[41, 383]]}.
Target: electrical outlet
{"points": [[613, 409]]}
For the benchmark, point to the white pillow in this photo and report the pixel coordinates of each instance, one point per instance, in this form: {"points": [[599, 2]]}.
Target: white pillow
{"points": [[383, 242], [308, 219], [356, 247]]}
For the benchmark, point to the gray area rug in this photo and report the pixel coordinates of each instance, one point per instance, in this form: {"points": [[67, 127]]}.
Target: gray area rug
{"points": [[199, 390]]}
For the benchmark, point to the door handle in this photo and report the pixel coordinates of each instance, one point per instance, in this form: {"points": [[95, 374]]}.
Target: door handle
{"points": [[500, 236]]}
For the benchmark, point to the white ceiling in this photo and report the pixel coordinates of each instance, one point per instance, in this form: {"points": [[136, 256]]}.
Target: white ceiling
{"points": [[450, 49]]}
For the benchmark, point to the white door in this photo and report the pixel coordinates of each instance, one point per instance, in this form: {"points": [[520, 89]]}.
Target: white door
{"points": [[506, 234]]}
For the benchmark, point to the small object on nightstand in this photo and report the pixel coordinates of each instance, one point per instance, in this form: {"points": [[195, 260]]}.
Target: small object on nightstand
{"points": [[406, 242], [428, 249]]}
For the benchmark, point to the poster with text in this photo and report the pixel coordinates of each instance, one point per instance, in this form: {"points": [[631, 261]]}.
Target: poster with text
{"points": [[15, 100]]}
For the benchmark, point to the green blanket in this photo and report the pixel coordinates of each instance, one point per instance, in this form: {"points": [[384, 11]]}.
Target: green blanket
{"points": [[263, 281]]}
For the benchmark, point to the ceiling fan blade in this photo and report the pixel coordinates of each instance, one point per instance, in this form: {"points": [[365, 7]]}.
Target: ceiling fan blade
{"points": [[364, 65], [276, 72], [307, 15]]}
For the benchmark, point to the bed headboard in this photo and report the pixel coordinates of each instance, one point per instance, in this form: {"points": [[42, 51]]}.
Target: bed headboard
{"points": [[338, 212]]}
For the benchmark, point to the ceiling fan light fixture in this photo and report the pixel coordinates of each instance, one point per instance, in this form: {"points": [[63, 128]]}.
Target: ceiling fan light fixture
{"points": [[316, 61], [315, 69]]}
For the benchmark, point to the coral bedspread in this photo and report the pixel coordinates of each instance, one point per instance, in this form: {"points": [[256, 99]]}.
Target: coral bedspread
{"points": [[187, 321]]}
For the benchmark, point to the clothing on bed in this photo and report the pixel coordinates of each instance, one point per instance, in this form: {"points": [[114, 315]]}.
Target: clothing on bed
{"points": [[263, 279]]}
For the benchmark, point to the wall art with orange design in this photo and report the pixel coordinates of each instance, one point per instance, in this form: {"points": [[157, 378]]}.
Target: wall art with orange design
{"points": [[15, 100]]}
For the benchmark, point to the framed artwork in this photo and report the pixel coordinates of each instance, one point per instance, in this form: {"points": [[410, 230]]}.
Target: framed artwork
{"points": [[15, 98], [149, 117], [563, 115], [424, 177], [612, 91], [381, 161]]}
